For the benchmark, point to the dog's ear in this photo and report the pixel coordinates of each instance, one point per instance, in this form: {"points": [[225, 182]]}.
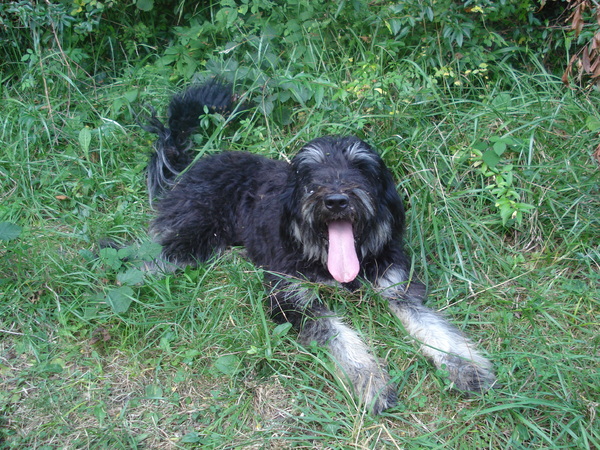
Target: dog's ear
{"points": [[390, 194], [290, 198], [290, 220], [390, 199]]}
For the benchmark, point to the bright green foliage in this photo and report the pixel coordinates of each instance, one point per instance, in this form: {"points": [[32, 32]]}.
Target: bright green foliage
{"points": [[493, 155], [487, 157], [9, 231]]}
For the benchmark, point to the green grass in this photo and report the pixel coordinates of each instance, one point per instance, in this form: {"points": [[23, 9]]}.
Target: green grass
{"points": [[194, 360]]}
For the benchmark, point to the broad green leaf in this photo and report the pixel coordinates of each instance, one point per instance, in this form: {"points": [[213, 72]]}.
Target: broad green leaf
{"points": [[480, 145], [506, 213], [131, 277], [228, 364], [592, 123], [110, 257], [502, 100], [131, 96], [499, 147], [394, 25], [149, 251], [120, 299], [85, 138], [192, 437], [319, 95], [145, 5], [125, 252], [491, 158], [9, 231], [154, 391]]}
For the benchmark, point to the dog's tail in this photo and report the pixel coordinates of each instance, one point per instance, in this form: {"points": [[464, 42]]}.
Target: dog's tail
{"points": [[172, 148]]}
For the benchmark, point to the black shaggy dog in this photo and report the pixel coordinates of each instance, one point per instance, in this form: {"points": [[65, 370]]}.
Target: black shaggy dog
{"points": [[331, 216]]}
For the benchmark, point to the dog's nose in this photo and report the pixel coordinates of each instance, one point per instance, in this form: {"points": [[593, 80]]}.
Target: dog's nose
{"points": [[336, 202]]}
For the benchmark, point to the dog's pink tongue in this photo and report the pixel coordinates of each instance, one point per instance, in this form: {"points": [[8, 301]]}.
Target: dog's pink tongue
{"points": [[342, 261]]}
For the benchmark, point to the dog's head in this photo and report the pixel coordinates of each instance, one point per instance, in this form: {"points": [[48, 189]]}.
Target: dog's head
{"points": [[342, 205]]}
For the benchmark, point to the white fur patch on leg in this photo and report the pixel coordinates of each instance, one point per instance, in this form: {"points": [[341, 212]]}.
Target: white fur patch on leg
{"points": [[439, 340], [446, 346], [356, 364]]}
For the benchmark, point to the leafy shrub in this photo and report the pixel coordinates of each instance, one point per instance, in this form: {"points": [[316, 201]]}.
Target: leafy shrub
{"points": [[253, 37], [458, 44], [76, 37]]}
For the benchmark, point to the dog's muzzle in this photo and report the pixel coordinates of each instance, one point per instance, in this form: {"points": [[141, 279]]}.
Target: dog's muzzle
{"points": [[336, 203]]}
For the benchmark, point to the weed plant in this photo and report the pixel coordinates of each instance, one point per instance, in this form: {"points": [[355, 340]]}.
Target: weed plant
{"points": [[503, 213]]}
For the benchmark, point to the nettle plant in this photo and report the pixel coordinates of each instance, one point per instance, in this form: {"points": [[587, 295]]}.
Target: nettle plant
{"points": [[487, 158], [124, 266]]}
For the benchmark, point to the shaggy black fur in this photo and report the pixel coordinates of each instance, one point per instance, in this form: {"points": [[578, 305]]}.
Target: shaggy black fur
{"points": [[172, 154], [332, 215]]}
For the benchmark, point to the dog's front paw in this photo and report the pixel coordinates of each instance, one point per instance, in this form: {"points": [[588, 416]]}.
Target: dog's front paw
{"points": [[385, 398], [468, 376], [375, 391]]}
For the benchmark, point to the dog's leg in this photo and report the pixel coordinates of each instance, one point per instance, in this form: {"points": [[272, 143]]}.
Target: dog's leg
{"points": [[439, 340], [354, 362], [369, 380]]}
